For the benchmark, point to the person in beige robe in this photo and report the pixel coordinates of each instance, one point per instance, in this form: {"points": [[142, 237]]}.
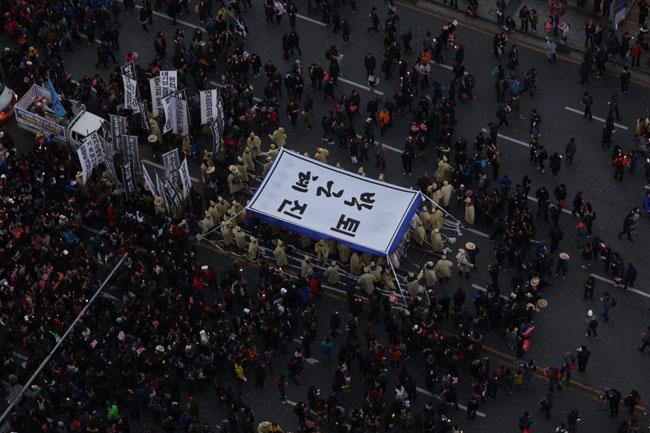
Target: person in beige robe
{"points": [[425, 217], [437, 219], [443, 268], [248, 160], [375, 270], [412, 282], [322, 251], [306, 269], [446, 191], [222, 207], [253, 249], [279, 137], [321, 155], [437, 244], [207, 224], [243, 170], [332, 274], [444, 170], [226, 233], [235, 183], [267, 165], [344, 253], [254, 143], [430, 276], [280, 255], [419, 234], [367, 281], [355, 264], [387, 280], [240, 238], [469, 211]]}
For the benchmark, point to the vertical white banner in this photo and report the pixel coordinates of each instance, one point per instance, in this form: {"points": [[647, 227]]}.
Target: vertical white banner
{"points": [[186, 182], [156, 96], [209, 105]]}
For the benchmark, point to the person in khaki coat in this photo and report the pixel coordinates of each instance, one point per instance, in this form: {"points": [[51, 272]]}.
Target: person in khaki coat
{"points": [[214, 213], [254, 143], [332, 274], [237, 210], [437, 219], [267, 165], [443, 268], [222, 207], [367, 281], [446, 192], [425, 217], [305, 241], [243, 170], [322, 251], [344, 252], [226, 233], [306, 270], [207, 224], [253, 249], [235, 183], [437, 244], [355, 264], [159, 206], [412, 282], [240, 238], [280, 255], [321, 155], [248, 160], [464, 265], [469, 211], [430, 276], [444, 170], [419, 234], [375, 270], [387, 280], [278, 137]]}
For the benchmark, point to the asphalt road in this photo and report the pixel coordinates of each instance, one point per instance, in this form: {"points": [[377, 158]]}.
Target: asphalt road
{"points": [[560, 327]]}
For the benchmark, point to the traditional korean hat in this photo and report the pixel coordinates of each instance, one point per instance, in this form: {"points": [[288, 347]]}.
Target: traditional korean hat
{"points": [[152, 138], [470, 246], [542, 303], [534, 281], [564, 256]]}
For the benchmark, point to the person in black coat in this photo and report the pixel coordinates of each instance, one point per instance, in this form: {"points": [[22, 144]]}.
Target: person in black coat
{"points": [[583, 357]]}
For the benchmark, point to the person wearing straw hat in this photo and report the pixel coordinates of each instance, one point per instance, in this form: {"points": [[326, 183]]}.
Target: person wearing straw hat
{"points": [[205, 165], [222, 207], [155, 130], [367, 281], [472, 252], [322, 250], [214, 213], [280, 255], [226, 233], [159, 206], [444, 170], [562, 265], [306, 269], [253, 249], [240, 238], [464, 265], [155, 145], [235, 183], [437, 244], [332, 274]]}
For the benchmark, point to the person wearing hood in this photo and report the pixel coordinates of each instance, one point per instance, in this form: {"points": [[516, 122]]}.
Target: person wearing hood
{"points": [[366, 281], [332, 274], [280, 255], [253, 249], [430, 276], [437, 244], [306, 270], [279, 137], [322, 251], [464, 264], [412, 282], [443, 268]]}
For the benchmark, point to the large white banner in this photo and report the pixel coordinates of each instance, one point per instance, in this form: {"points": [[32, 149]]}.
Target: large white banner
{"points": [[91, 154], [323, 201], [209, 100], [186, 182], [156, 96], [176, 116], [168, 82], [130, 93]]}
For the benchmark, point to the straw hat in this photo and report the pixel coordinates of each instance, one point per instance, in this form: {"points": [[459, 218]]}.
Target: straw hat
{"points": [[233, 169], [146, 187], [160, 348], [211, 169], [542, 303], [158, 201], [530, 306], [564, 256], [534, 281], [470, 246], [152, 138]]}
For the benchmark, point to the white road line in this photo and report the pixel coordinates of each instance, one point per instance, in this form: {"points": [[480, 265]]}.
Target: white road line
{"points": [[600, 119], [360, 86], [483, 289], [476, 232], [155, 164], [386, 146], [646, 186], [612, 282], [514, 140], [531, 198], [311, 20], [436, 396]]}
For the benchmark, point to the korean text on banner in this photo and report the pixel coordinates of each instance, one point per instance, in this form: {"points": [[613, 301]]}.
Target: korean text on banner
{"points": [[91, 154], [168, 82], [172, 163], [322, 201], [131, 152], [161, 191], [130, 93], [216, 137], [156, 96], [148, 181], [186, 182], [118, 130], [209, 106]]}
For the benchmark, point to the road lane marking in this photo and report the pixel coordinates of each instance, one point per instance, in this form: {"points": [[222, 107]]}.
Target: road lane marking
{"points": [[311, 20], [600, 119], [612, 282], [437, 397], [514, 140], [360, 86], [531, 198], [476, 232]]}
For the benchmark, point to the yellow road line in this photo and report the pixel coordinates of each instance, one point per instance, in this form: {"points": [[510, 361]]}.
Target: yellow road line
{"points": [[519, 43]]}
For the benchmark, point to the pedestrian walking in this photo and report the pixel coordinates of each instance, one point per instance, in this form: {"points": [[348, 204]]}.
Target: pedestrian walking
{"points": [[525, 421], [407, 161], [583, 358], [551, 49], [589, 286], [570, 151], [625, 77], [645, 340], [282, 383], [546, 404], [608, 302], [535, 122], [592, 325], [628, 226]]}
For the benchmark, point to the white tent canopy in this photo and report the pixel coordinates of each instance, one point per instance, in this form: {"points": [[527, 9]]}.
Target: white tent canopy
{"points": [[323, 202]]}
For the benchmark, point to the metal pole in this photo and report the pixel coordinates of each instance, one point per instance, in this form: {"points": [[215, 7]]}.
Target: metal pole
{"points": [[392, 268], [441, 208], [15, 401]]}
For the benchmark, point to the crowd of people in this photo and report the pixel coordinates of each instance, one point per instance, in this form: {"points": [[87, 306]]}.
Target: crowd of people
{"points": [[173, 327]]}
